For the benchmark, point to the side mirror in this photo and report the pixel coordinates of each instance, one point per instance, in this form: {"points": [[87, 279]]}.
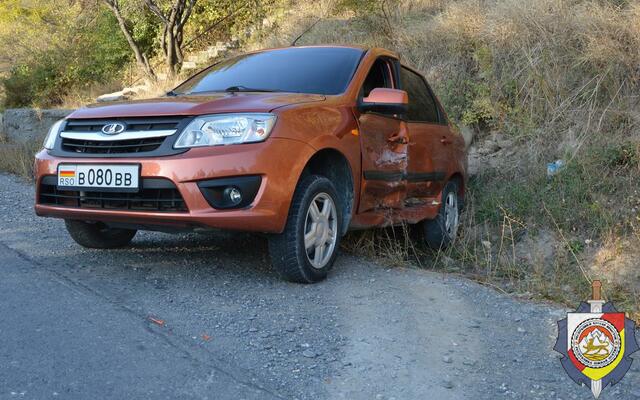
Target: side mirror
{"points": [[385, 101]]}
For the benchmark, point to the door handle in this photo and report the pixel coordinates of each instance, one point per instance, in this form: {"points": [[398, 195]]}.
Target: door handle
{"points": [[398, 139], [445, 140]]}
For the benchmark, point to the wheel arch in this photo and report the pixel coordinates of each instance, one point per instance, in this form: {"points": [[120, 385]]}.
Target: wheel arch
{"points": [[334, 165]]}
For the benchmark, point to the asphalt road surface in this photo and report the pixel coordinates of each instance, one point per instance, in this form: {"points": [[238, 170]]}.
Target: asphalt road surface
{"points": [[204, 317]]}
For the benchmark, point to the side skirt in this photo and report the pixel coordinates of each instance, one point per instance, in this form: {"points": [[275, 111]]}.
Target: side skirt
{"points": [[427, 209]]}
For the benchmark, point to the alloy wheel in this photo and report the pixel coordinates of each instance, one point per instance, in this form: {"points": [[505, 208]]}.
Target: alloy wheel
{"points": [[320, 230], [451, 214]]}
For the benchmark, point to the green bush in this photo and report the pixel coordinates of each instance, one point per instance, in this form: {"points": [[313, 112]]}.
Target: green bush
{"points": [[578, 198], [18, 87], [97, 54]]}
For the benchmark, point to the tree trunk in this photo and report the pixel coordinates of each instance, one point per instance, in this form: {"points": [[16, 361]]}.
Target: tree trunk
{"points": [[141, 58], [172, 32], [170, 55]]}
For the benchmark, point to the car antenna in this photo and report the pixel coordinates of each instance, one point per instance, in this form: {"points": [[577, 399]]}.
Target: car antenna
{"points": [[305, 32]]}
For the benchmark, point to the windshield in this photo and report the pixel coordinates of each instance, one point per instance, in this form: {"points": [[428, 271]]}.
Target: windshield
{"points": [[318, 70]]}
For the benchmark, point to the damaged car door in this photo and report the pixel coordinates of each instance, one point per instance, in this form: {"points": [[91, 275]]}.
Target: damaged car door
{"points": [[383, 140], [429, 150]]}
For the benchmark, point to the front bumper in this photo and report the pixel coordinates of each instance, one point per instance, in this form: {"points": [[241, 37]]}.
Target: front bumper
{"points": [[278, 161]]}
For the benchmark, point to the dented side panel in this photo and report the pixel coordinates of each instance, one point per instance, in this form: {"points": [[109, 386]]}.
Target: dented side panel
{"points": [[384, 145]]}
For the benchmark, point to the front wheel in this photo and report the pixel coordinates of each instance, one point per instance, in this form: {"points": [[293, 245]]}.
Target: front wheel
{"points": [[307, 248], [96, 235], [440, 232]]}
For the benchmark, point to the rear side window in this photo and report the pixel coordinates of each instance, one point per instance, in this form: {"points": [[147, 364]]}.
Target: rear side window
{"points": [[422, 106]]}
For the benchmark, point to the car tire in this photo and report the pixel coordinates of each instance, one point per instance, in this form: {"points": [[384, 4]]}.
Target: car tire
{"points": [[440, 232], [96, 235], [307, 248]]}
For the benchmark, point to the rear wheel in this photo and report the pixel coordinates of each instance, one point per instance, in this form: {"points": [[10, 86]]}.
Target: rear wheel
{"points": [[96, 235], [307, 248], [440, 232]]}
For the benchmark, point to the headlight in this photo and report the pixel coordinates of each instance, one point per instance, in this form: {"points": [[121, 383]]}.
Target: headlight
{"points": [[50, 139], [222, 129]]}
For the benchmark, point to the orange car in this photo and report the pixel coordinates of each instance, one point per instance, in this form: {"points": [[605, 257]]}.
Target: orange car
{"points": [[302, 143]]}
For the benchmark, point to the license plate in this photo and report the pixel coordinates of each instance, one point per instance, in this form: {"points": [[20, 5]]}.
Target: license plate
{"points": [[114, 177]]}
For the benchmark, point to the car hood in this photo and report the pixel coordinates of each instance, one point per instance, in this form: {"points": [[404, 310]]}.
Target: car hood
{"points": [[196, 105]]}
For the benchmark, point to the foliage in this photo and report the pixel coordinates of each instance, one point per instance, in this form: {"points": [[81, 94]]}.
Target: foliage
{"points": [[93, 53], [41, 25], [376, 12], [237, 15], [223, 20], [71, 49]]}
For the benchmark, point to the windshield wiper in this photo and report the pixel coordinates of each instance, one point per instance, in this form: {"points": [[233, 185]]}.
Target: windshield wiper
{"points": [[237, 89], [240, 88], [171, 93]]}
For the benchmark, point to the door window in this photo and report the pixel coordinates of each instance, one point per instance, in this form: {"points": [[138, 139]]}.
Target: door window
{"points": [[379, 77], [422, 106]]}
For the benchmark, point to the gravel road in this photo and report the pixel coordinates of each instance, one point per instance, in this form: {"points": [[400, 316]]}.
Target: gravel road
{"points": [[78, 324]]}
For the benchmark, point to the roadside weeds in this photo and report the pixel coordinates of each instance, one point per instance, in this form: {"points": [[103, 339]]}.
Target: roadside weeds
{"points": [[498, 256], [18, 159]]}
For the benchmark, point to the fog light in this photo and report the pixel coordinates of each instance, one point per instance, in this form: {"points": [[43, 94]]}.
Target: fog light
{"points": [[233, 194]]}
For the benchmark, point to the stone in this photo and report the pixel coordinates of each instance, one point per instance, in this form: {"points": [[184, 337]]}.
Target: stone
{"points": [[212, 52], [468, 135], [24, 125], [109, 97], [124, 94], [309, 354]]}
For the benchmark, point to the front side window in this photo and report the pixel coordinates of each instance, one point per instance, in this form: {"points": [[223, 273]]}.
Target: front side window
{"points": [[422, 106], [379, 77], [317, 70]]}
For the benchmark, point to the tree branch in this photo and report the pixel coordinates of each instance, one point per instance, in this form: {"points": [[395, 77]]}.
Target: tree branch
{"points": [[187, 14], [141, 58], [156, 10]]}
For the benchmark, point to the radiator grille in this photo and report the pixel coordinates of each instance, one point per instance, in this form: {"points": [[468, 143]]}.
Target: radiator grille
{"points": [[92, 127], [157, 195], [112, 147]]}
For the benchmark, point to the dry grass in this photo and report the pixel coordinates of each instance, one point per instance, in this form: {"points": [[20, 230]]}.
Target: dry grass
{"points": [[139, 90], [18, 158], [395, 245], [80, 98], [159, 88]]}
